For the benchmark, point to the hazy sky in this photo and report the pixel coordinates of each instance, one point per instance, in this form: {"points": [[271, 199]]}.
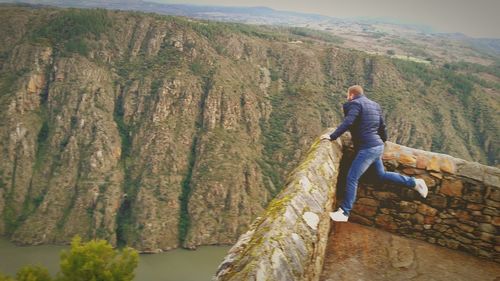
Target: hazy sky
{"points": [[477, 18]]}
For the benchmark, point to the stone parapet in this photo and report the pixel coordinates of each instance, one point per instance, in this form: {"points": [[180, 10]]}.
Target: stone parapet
{"points": [[460, 212], [288, 241]]}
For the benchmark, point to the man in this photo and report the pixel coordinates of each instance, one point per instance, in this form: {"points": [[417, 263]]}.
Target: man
{"points": [[363, 118]]}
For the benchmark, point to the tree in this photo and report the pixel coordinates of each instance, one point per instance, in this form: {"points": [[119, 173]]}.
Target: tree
{"points": [[97, 261]]}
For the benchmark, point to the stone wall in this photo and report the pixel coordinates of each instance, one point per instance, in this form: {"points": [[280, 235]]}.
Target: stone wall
{"points": [[288, 241], [460, 212]]}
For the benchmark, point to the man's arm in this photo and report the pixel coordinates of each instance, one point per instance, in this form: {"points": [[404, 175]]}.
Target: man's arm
{"points": [[353, 111], [382, 130]]}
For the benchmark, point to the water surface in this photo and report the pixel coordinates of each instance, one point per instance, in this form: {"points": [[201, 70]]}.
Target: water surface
{"points": [[175, 265]]}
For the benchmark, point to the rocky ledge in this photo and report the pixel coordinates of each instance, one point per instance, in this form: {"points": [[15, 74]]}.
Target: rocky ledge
{"points": [[359, 253]]}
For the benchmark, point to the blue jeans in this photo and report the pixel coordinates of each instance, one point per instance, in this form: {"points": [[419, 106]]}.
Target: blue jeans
{"points": [[364, 159]]}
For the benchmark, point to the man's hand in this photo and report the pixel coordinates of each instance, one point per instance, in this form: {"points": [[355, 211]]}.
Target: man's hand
{"points": [[325, 137]]}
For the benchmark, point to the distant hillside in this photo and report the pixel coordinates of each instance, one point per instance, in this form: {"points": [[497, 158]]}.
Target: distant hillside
{"points": [[260, 15], [159, 132], [488, 45], [380, 36]]}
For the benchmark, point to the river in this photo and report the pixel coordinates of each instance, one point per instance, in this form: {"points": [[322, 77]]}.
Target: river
{"points": [[175, 265]]}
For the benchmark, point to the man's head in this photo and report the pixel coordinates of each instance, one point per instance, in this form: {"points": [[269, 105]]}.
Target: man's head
{"points": [[354, 91]]}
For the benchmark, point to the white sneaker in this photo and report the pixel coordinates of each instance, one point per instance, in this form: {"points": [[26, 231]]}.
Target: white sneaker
{"points": [[339, 216], [421, 187]]}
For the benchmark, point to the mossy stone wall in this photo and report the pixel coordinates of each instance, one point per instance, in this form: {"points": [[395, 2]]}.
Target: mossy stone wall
{"points": [[288, 241]]}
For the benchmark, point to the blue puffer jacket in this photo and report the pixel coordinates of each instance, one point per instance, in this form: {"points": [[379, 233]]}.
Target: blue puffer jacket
{"points": [[363, 118]]}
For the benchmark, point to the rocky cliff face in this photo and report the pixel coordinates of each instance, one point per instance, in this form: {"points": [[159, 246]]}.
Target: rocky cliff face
{"points": [[160, 132]]}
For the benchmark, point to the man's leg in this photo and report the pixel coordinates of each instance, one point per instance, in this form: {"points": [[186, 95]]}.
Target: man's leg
{"points": [[362, 161], [392, 177], [416, 184]]}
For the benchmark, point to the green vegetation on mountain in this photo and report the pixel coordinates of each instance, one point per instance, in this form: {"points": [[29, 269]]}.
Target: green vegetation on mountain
{"points": [[159, 132], [69, 29], [316, 34]]}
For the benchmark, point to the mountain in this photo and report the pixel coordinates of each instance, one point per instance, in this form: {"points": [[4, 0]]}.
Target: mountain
{"points": [[374, 35], [160, 132], [258, 15]]}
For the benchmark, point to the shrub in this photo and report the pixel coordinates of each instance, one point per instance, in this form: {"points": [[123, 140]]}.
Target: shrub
{"points": [[33, 273], [6, 278]]}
